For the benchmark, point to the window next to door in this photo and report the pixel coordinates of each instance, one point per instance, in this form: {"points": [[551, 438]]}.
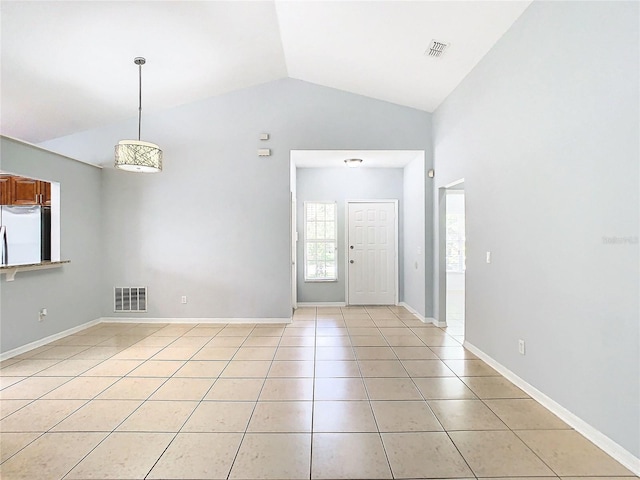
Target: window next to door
{"points": [[320, 241]]}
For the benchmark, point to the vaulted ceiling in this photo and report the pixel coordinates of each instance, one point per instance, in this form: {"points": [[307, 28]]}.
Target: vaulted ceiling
{"points": [[67, 66]]}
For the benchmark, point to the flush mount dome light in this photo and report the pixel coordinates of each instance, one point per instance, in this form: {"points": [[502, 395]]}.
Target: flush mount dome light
{"points": [[135, 155], [353, 162]]}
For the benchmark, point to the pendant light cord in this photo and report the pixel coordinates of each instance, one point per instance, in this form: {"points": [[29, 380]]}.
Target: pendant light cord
{"points": [[139, 99]]}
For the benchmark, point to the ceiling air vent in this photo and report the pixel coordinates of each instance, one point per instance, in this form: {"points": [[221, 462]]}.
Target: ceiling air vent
{"points": [[436, 49], [130, 299]]}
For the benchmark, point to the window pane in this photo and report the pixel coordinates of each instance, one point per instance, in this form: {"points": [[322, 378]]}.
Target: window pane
{"points": [[311, 211], [311, 231], [320, 241], [320, 230], [311, 251], [330, 212], [311, 270], [330, 231]]}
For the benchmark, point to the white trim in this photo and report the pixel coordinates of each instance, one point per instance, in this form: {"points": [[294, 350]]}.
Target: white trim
{"points": [[414, 311], [438, 323], [49, 151], [49, 339], [293, 235], [421, 318], [618, 452], [397, 246], [322, 304], [193, 320], [454, 183]]}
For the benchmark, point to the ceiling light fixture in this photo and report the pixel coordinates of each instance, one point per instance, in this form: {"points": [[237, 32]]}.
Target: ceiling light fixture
{"points": [[353, 162], [135, 155]]}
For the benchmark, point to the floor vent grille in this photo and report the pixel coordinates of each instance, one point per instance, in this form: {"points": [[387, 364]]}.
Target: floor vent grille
{"points": [[130, 299]]}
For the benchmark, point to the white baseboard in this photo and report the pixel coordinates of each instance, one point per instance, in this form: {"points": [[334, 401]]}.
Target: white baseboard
{"points": [[193, 320], [423, 319], [438, 323], [414, 311], [321, 304], [49, 339], [598, 438]]}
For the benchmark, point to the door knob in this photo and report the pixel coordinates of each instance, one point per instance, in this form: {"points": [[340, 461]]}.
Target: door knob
{"points": [[351, 247], [351, 261]]}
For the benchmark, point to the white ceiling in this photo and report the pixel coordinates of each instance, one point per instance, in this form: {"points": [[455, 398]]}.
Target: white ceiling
{"points": [[370, 158], [67, 66]]}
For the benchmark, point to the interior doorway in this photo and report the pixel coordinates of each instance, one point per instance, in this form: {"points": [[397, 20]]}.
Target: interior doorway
{"points": [[455, 260], [372, 267], [323, 176]]}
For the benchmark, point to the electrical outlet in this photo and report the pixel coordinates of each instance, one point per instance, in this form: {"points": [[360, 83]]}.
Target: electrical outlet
{"points": [[488, 257], [521, 347], [41, 314], [184, 299]]}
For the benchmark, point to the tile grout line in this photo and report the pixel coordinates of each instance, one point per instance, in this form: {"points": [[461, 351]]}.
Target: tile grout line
{"points": [[192, 412], [375, 419], [125, 419], [483, 401], [313, 392], [246, 429], [433, 413], [49, 431], [41, 397], [108, 433]]}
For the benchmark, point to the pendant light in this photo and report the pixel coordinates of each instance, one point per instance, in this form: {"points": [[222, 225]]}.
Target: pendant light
{"points": [[135, 155]]}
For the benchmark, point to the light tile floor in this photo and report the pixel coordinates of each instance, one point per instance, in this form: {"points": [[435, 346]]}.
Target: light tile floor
{"points": [[361, 393]]}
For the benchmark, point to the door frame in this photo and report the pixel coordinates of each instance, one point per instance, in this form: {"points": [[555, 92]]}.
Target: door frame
{"points": [[442, 253], [396, 263], [294, 251]]}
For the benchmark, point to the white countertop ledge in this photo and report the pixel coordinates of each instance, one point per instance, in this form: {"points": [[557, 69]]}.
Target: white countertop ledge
{"points": [[10, 271]]}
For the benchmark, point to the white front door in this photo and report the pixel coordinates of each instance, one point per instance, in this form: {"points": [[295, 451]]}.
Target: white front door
{"points": [[371, 245]]}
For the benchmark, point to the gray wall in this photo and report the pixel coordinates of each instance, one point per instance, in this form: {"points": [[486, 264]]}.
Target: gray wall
{"points": [[414, 287], [215, 224], [545, 132], [338, 185], [71, 294]]}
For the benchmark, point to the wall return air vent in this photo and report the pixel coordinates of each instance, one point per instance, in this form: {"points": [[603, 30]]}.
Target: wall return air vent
{"points": [[436, 48], [130, 299]]}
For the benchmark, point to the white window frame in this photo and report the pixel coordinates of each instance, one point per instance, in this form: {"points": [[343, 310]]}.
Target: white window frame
{"points": [[334, 240]]}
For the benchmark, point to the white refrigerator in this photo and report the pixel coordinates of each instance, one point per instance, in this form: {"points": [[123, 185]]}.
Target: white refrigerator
{"points": [[23, 235]]}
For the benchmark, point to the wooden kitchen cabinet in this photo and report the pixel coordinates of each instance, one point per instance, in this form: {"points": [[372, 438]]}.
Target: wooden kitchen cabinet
{"points": [[24, 191], [5, 189], [45, 191]]}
